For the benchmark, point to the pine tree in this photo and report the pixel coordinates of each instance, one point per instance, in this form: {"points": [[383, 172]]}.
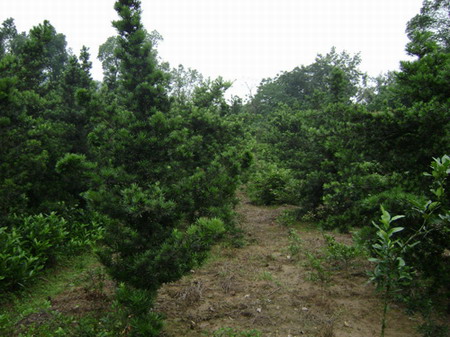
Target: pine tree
{"points": [[145, 165], [141, 81]]}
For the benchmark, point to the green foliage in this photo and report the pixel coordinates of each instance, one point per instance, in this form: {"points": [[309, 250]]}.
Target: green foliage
{"points": [[139, 319], [17, 265], [391, 269], [36, 242], [45, 236], [295, 245], [432, 230], [166, 175], [319, 270], [434, 330], [270, 185], [141, 83], [339, 252], [154, 182], [391, 272], [332, 78], [287, 218], [160, 172], [344, 159]]}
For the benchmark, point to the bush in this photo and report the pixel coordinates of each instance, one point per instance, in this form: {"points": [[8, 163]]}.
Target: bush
{"points": [[427, 230], [17, 265], [44, 236], [271, 185], [340, 252], [36, 242]]}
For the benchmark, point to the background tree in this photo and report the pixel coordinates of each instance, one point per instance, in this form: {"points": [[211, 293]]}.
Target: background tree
{"points": [[332, 78]]}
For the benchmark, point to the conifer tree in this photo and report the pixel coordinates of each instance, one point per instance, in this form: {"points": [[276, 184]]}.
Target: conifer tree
{"points": [[142, 83], [145, 176]]}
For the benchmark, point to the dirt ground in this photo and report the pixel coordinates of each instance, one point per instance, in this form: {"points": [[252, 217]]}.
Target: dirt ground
{"points": [[263, 287]]}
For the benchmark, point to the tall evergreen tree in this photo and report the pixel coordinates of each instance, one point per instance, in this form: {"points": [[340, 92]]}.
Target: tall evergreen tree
{"points": [[141, 81], [160, 171]]}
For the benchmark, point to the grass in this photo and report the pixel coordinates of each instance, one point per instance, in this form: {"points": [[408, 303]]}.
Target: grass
{"points": [[36, 298]]}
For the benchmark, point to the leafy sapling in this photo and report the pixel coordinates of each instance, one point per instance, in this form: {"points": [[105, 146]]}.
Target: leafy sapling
{"points": [[339, 253], [391, 271]]}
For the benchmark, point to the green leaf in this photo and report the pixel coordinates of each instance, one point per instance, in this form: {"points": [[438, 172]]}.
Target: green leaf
{"points": [[397, 217], [396, 229]]}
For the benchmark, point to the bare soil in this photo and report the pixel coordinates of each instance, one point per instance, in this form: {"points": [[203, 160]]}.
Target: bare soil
{"points": [[262, 287]]}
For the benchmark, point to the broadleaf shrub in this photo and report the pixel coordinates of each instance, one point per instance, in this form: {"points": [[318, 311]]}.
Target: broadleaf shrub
{"points": [[271, 185], [17, 265], [36, 242]]}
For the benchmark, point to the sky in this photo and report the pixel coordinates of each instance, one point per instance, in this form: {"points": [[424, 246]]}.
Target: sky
{"points": [[243, 41]]}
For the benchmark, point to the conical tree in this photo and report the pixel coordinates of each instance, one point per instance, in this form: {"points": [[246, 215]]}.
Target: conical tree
{"points": [[148, 241], [140, 79]]}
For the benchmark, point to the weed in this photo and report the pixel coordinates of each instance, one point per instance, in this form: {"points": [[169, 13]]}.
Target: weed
{"points": [[192, 293], [265, 276], [95, 283]]}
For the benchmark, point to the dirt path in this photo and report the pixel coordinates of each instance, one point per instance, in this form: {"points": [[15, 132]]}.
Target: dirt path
{"points": [[263, 286]]}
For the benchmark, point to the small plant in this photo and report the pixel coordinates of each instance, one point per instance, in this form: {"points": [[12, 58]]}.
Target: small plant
{"points": [[391, 271], [287, 218], [320, 271], [95, 283], [295, 242], [265, 276], [230, 332], [17, 265], [340, 252]]}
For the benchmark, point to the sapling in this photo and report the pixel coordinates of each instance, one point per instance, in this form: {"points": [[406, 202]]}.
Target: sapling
{"points": [[391, 271]]}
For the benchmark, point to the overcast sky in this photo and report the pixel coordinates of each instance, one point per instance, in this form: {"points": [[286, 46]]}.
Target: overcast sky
{"points": [[241, 40]]}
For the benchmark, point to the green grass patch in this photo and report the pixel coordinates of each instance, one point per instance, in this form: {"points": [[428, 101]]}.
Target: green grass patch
{"points": [[36, 298]]}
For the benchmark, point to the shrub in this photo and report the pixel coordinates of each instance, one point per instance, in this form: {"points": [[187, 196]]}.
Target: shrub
{"points": [[17, 265], [44, 236], [36, 242], [271, 185], [339, 252]]}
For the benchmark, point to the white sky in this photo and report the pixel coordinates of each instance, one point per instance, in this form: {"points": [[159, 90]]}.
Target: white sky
{"points": [[241, 40]]}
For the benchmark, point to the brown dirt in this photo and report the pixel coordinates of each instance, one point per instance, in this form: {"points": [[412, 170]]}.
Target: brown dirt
{"points": [[93, 296], [258, 287], [261, 287]]}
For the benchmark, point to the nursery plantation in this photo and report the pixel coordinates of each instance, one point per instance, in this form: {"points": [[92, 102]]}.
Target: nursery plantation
{"points": [[140, 191]]}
